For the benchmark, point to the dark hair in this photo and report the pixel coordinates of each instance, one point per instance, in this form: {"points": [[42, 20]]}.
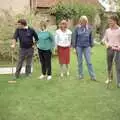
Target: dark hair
{"points": [[22, 22], [115, 18]]}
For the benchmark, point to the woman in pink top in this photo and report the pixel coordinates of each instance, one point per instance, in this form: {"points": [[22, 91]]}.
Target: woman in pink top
{"points": [[112, 42]]}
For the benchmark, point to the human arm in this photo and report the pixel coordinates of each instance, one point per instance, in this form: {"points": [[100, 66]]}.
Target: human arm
{"points": [[74, 38], [52, 40], [35, 35], [15, 38], [91, 39], [105, 40], [56, 39]]}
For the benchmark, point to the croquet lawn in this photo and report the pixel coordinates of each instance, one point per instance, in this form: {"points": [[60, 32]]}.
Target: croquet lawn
{"points": [[61, 99]]}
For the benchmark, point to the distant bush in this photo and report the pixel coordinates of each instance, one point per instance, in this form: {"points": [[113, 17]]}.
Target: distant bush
{"points": [[7, 28], [73, 11]]}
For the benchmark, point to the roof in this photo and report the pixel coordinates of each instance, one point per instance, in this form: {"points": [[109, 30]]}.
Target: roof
{"points": [[45, 3], [49, 3], [94, 2]]}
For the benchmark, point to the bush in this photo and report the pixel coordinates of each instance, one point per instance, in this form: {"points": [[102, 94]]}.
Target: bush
{"points": [[73, 11], [7, 28]]}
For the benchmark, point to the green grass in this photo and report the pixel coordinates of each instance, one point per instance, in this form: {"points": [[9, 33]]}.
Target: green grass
{"points": [[61, 99]]}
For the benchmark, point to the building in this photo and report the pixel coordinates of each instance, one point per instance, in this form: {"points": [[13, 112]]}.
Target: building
{"points": [[43, 6], [109, 5], [18, 6], [15, 6], [49, 3]]}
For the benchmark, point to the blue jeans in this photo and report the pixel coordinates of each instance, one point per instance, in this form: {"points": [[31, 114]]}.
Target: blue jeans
{"points": [[87, 54]]}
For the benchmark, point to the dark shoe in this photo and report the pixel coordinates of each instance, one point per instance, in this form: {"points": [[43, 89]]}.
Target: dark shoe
{"points": [[15, 77], [28, 75]]}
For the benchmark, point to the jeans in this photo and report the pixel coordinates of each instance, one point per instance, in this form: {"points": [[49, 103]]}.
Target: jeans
{"points": [[45, 60], [87, 54], [24, 54]]}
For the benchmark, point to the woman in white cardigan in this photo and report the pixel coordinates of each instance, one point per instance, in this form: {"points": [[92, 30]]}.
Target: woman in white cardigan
{"points": [[63, 43]]}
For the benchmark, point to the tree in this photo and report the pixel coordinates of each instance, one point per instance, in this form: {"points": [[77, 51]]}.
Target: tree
{"points": [[73, 11]]}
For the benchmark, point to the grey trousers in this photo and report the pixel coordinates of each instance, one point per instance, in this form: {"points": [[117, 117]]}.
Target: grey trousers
{"points": [[111, 56], [24, 54], [117, 62]]}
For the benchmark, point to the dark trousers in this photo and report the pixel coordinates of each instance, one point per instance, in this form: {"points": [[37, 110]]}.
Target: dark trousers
{"points": [[45, 60], [24, 54], [111, 56]]}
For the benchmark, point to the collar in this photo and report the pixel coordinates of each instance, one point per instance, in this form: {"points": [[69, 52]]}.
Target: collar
{"points": [[44, 30], [87, 26], [26, 27]]}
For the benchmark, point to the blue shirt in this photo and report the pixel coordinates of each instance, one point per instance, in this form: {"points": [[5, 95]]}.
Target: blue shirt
{"points": [[25, 37], [82, 37]]}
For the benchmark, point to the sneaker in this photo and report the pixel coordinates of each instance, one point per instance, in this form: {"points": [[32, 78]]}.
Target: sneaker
{"points": [[42, 77], [108, 81], [61, 75], [49, 77], [94, 78], [81, 77], [68, 74], [118, 85]]}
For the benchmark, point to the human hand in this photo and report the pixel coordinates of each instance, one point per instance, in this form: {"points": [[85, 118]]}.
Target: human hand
{"points": [[13, 46], [107, 45], [116, 48], [74, 50]]}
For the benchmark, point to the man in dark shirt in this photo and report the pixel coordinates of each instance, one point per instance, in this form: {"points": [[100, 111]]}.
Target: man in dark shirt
{"points": [[25, 36]]}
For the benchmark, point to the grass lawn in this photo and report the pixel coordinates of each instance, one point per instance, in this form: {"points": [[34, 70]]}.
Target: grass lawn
{"points": [[61, 99]]}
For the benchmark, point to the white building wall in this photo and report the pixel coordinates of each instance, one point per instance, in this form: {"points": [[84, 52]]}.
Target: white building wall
{"points": [[109, 5]]}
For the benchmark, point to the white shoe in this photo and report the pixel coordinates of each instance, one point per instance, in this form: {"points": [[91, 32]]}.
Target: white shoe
{"points": [[68, 74], [61, 75], [49, 77], [42, 77], [108, 81]]}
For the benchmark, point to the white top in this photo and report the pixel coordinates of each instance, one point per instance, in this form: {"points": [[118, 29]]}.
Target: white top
{"points": [[63, 39]]}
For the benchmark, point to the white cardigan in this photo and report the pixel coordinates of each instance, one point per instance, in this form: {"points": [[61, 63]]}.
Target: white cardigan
{"points": [[63, 39]]}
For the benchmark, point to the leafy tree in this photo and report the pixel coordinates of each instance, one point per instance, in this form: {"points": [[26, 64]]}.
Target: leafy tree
{"points": [[73, 11]]}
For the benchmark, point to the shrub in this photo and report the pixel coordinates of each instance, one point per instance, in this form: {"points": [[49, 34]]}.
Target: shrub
{"points": [[7, 28], [73, 11]]}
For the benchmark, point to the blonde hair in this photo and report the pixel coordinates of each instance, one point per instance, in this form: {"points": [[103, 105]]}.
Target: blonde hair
{"points": [[63, 22], [43, 25], [84, 18]]}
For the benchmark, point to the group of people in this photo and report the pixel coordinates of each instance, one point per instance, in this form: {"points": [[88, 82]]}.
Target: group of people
{"points": [[80, 39]]}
